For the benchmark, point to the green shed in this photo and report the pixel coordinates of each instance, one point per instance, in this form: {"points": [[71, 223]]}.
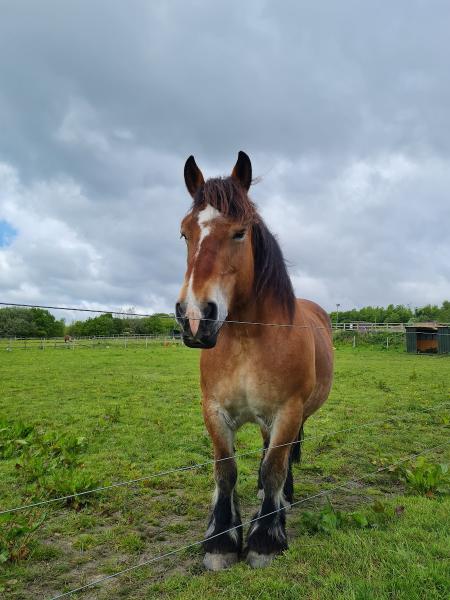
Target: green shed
{"points": [[443, 336], [428, 338]]}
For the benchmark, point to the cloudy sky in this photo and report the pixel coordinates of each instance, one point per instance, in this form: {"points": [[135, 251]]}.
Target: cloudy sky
{"points": [[342, 106]]}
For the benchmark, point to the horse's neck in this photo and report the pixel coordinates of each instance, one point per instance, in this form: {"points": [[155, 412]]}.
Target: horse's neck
{"points": [[261, 310]]}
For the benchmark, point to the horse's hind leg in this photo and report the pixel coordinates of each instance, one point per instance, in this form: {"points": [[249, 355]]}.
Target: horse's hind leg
{"points": [[266, 439], [295, 455], [267, 534], [221, 551]]}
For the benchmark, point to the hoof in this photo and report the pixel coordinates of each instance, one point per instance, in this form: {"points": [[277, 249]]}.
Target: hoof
{"points": [[258, 561], [218, 562]]}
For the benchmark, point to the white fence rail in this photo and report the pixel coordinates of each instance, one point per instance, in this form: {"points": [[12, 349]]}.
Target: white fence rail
{"points": [[124, 341], [365, 327]]}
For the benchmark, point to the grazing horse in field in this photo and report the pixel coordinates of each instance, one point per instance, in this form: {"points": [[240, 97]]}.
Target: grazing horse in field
{"points": [[270, 375]]}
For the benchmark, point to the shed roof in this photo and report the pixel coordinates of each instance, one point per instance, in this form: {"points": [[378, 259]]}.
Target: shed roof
{"points": [[423, 326]]}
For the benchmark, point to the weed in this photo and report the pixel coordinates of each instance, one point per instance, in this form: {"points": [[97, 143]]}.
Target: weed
{"points": [[426, 478], [69, 482], [50, 461], [16, 536], [14, 438], [328, 519]]}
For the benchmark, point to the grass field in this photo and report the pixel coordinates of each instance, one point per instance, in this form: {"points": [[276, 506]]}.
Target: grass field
{"points": [[71, 420]]}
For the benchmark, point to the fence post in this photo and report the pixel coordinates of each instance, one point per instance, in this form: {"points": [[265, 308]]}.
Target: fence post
{"points": [[354, 341], [146, 342], [387, 343]]}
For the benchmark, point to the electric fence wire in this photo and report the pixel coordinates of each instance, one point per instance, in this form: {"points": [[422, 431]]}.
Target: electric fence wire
{"points": [[207, 463], [162, 316], [245, 523]]}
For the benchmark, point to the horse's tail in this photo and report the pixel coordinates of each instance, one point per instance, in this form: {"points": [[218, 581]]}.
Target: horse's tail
{"points": [[296, 450]]}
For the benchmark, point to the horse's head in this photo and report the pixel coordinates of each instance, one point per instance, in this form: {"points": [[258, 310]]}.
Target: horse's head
{"points": [[220, 264]]}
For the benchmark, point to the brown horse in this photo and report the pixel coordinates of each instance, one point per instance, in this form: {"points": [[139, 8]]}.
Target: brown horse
{"points": [[250, 372]]}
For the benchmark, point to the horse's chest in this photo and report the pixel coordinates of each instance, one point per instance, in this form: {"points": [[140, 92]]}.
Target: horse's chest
{"points": [[245, 397]]}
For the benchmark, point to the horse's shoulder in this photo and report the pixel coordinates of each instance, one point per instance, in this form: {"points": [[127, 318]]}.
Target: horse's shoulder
{"points": [[313, 312]]}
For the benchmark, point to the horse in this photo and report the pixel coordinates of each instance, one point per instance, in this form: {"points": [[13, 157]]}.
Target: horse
{"points": [[235, 296]]}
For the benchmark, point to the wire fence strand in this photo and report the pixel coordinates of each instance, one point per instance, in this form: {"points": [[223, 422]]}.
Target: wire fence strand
{"points": [[208, 462], [245, 523], [168, 316]]}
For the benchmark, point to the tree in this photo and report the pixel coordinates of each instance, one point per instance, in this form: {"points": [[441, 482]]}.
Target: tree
{"points": [[103, 325], [29, 322]]}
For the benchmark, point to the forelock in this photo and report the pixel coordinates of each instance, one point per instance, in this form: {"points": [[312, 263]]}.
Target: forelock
{"points": [[227, 196]]}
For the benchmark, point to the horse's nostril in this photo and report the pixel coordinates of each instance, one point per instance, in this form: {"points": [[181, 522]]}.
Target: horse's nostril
{"points": [[180, 310], [210, 311]]}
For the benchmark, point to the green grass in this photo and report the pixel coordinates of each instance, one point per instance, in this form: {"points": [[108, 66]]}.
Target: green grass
{"points": [[72, 419]]}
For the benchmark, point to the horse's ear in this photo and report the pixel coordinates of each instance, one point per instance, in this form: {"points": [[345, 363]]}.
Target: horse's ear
{"points": [[192, 176], [243, 170]]}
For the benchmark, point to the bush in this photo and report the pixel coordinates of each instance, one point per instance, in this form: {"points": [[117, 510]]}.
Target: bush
{"points": [[375, 339]]}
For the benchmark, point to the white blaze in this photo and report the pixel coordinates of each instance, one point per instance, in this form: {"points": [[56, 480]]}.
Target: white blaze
{"points": [[193, 312]]}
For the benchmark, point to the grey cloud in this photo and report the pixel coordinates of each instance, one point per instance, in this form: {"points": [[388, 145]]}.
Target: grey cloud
{"points": [[342, 107]]}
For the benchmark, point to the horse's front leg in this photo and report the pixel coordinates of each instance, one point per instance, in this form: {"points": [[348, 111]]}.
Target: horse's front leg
{"points": [[222, 550], [267, 535]]}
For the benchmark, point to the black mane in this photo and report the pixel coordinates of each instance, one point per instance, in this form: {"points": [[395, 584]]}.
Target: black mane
{"points": [[271, 277]]}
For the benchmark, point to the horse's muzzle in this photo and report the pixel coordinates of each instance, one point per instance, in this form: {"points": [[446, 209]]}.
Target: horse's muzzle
{"points": [[208, 327]]}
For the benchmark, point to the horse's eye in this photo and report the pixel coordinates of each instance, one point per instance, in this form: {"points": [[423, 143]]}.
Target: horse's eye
{"points": [[182, 235], [239, 235]]}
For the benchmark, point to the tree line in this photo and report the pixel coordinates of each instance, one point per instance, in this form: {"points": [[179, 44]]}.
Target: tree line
{"points": [[30, 323], [394, 314], [107, 324], [40, 323]]}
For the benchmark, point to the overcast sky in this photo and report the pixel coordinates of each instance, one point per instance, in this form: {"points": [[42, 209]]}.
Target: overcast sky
{"points": [[343, 107]]}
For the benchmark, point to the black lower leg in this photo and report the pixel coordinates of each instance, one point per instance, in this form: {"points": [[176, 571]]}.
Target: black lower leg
{"points": [[267, 533], [296, 449], [288, 488], [224, 517]]}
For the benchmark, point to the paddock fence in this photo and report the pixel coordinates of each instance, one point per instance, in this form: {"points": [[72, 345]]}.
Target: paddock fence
{"points": [[387, 335], [95, 341]]}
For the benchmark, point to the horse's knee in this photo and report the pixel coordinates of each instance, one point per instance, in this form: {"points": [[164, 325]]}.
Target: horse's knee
{"points": [[274, 470]]}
